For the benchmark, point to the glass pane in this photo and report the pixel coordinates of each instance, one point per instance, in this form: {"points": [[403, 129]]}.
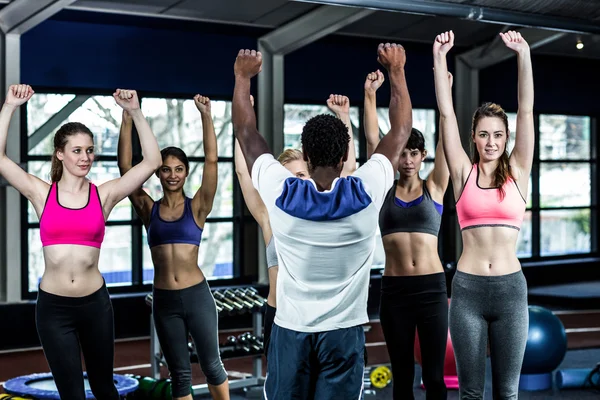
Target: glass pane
{"points": [[565, 185], [115, 256], [42, 106], [524, 239], [565, 232], [426, 168], [423, 120], [100, 114], [215, 256], [177, 122], [296, 115], [564, 137], [223, 202], [114, 263], [101, 172], [512, 127]]}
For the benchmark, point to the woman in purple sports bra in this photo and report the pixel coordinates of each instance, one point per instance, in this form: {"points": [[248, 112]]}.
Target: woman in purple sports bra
{"points": [[73, 312], [182, 301], [489, 291]]}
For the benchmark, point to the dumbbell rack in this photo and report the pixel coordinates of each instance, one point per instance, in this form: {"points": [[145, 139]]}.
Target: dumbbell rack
{"points": [[255, 379]]}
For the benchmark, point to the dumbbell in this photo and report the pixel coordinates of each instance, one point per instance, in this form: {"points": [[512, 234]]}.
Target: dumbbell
{"points": [[220, 306], [256, 302], [235, 295], [250, 291], [149, 299], [236, 306], [250, 342]]}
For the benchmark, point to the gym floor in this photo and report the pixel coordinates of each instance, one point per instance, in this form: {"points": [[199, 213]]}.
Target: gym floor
{"points": [[587, 358]]}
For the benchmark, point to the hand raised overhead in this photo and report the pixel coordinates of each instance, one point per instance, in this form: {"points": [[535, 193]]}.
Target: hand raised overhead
{"points": [[443, 43], [127, 99], [391, 56], [374, 81], [248, 63], [514, 41], [202, 104], [338, 103], [18, 94]]}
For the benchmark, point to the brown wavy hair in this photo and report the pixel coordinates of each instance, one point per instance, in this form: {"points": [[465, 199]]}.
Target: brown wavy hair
{"points": [[61, 137], [502, 172]]}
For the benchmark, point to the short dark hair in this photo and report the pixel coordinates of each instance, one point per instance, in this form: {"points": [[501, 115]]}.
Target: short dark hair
{"points": [[179, 154], [324, 141], [416, 140]]}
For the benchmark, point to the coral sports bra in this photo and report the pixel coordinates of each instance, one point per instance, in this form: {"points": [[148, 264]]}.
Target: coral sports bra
{"points": [[477, 206]]}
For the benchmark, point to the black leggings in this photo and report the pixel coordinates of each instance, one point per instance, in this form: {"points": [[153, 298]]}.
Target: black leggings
{"points": [[421, 302], [68, 326], [193, 310], [268, 326]]}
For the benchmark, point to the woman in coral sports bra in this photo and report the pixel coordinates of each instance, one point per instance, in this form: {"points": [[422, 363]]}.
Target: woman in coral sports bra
{"points": [[489, 291], [73, 311]]}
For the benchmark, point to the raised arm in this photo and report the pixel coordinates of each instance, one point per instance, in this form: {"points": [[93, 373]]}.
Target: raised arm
{"points": [[372, 83], [141, 201], [522, 154], [247, 65], [204, 197], [438, 178], [251, 196], [393, 58], [33, 188], [456, 157], [340, 106], [116, 190]]}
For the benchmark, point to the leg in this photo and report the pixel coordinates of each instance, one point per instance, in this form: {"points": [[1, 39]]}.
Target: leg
{"points": [[202, 322], [289, 367], [97, 337], [173, 337], [508, 337], [468, 330], [432, 326], [341, 364], [55, 324], [269, 320], [398, 323]]}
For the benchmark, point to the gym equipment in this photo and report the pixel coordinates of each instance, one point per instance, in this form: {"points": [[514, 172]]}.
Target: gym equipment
{"points": [[229, 301], [450, 374], [42, 386], [380, 377], [546, 347], [578, 378]]}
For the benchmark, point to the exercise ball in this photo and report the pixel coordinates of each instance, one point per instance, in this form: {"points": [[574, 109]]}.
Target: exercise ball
{"points": [[546, 342], [450, 375], [545, 349]]}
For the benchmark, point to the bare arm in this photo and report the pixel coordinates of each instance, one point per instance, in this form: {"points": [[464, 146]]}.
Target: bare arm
{"points": [[141, 201], [204, 197], [372, 83], [116, 190], [340, 105], [440, 174], [456, 157], [247, 65], [521, 158], [392, 57], [251, 196], [33, 188]]}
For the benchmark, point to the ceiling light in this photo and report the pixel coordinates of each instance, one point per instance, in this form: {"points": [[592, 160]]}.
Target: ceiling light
{"points": [[579, 45]]}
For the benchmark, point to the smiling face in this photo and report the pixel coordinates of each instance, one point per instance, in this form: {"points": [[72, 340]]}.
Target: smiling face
{"points": [[490, 136], [172, 174], [77, 156]]}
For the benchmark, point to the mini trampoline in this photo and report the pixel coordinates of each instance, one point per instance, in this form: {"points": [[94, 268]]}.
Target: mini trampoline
{"points": [[42, 386]]}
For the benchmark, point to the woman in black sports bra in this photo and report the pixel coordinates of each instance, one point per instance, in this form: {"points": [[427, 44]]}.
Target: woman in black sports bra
{"points": [[413, 288]]}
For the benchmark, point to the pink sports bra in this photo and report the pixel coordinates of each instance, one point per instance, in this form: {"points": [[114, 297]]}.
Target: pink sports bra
{"points": [[477, 206], [82, 226]]}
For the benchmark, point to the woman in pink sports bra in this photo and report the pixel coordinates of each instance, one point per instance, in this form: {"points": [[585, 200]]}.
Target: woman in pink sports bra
{"points": [[489, 291], [73, 311]]}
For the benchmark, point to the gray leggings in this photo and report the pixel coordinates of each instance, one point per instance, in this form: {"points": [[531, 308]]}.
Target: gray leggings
{"points": [[193, 310], [494, 308]]}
